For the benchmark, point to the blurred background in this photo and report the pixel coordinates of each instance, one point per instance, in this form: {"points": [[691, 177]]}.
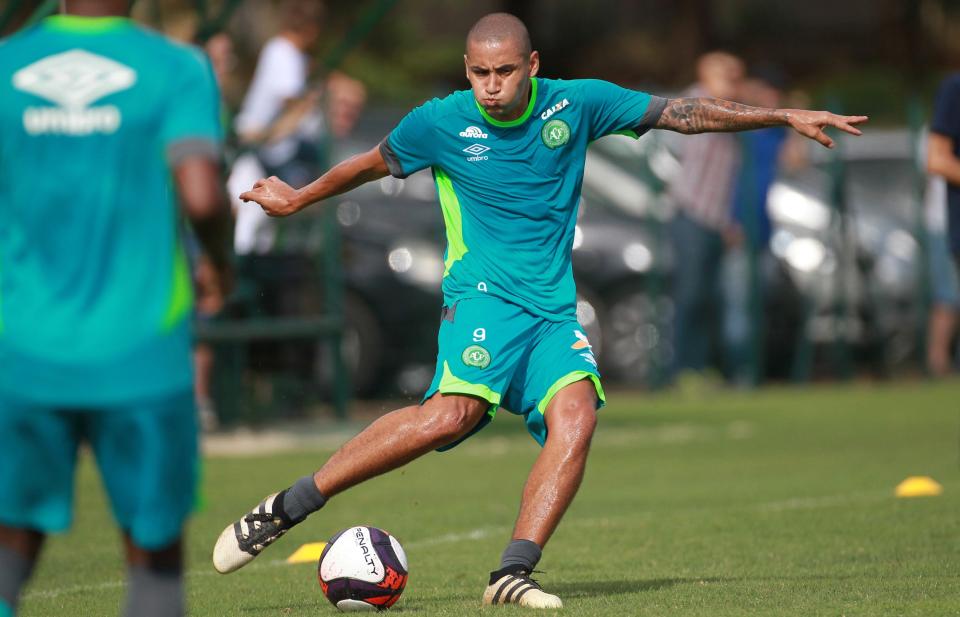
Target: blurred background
{"points": [[824, 265]]}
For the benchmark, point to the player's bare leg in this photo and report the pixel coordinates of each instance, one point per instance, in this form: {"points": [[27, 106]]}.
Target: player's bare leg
{"points": [[388, 443], [551, 486], [397, 438]]}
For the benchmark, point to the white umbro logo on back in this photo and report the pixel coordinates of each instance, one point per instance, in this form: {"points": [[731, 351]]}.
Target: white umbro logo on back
{"points": [[73, 80], [473, 132]]}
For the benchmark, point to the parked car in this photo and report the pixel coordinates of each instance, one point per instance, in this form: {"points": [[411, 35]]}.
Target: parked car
{"points": [[859, 265]]}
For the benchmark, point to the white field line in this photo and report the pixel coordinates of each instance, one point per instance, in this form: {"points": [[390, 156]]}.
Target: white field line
{"points": [[480, 533]]}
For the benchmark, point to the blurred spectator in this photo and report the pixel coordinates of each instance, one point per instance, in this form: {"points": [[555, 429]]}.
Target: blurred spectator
{"points": [[943, 152], [279, 120], [209, 288], [345, 100], [944, 284], [748, 261], [223, 57], [943, 149], [702, 193], [282, 120]]}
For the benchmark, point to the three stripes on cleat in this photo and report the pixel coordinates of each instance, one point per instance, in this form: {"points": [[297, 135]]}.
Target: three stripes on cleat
{"points": [[511, 589]]}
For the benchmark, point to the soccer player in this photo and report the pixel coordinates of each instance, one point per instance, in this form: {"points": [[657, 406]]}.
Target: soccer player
{"points": [[99, 119], [508, 161]]}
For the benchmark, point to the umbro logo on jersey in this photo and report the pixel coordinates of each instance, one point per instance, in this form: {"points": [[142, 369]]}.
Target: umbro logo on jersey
{"points": [[554, 109], [73, 80], [473, 132], [477, 151]]}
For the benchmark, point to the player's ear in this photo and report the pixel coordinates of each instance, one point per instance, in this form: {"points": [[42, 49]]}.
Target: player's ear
{"points": [[466, 66], [534, 63]]}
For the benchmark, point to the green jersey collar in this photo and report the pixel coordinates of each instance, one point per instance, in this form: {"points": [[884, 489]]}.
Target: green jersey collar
{"points": [[517, 121], [85, 25]]}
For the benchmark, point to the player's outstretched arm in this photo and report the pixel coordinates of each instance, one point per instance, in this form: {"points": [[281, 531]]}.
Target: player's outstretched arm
{"points": [[277, 198], [708, 115]]}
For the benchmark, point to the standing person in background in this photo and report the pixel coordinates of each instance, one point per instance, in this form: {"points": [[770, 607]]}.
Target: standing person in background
{"points": [[279, 122], [100, 120], [944, 283], [282, 118], [286, 146], [943, 159], [702, 192], [210, 290]]}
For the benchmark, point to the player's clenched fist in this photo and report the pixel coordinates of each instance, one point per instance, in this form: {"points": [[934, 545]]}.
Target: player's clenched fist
{"points": [[276, 197]]}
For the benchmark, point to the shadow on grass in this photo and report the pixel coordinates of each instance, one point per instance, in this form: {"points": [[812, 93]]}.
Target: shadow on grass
{"points": [[588, 589]]}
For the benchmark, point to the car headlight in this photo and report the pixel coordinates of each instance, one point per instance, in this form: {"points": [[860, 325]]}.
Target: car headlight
{"points": [[418, 263], [788, 205], [805, 254], [637, 257]]}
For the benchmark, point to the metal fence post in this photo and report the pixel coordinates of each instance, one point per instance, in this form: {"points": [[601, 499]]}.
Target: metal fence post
{"points": [[915, 113], [840, 347]]}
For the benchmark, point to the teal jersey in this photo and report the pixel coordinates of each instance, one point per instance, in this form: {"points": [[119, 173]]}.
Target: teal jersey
{"points": [[509, 191], [95, 290]]}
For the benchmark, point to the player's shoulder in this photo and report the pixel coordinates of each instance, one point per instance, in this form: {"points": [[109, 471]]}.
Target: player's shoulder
{"points": [[573, 85], [587, 89], [439, 111]]}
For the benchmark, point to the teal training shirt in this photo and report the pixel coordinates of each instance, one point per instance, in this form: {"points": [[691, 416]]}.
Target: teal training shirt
{"points": [[95, 290], [509, 191]]}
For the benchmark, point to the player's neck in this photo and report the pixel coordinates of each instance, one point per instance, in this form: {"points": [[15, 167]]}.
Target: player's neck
{"points": [[95, 8]]}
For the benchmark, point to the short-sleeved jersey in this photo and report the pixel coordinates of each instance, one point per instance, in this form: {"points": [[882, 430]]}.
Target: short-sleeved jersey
{"points": [[509, 191], [946, 122], [95, 295]]}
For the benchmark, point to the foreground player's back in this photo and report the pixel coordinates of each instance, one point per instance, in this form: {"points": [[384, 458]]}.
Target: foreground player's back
{"points": [[93, 111]]}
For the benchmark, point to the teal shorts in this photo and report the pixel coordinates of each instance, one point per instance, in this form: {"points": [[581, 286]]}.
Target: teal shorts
{"points": [[497, 351], [147, 454]]}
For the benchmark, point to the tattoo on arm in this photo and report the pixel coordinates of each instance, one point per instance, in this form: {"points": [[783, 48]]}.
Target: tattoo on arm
{"points": [[704, 115]]}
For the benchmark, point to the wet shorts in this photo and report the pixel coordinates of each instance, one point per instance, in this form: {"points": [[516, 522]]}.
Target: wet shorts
{"points": [[497, 351]]}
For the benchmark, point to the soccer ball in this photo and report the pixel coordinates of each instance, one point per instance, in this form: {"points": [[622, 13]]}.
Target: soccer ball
{"points": [[362, 569]]}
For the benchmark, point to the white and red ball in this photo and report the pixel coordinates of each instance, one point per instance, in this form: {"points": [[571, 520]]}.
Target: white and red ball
{"points": [[362, 569]]}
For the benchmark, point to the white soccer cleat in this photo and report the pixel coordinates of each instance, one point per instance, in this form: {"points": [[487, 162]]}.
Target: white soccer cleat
{"points": [[521, 590], [243, 540]]}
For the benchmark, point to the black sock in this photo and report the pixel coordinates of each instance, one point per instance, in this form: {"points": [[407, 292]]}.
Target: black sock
{"points": [[154, 592], [15, 569], [519, 556], [302, 499]]}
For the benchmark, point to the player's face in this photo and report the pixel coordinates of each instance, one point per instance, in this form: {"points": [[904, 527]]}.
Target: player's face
{"points": [[499, 73]]}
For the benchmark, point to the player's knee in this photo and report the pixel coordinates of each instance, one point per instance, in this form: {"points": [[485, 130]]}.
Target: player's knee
{"points": [[451, 417], [573, 422]]}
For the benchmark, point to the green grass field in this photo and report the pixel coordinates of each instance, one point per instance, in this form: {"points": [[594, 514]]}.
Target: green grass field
{"points": [[771, 503]]}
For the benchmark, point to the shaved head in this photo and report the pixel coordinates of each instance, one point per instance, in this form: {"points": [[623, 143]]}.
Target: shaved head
{"points": [[499, 28], [499, 64]]}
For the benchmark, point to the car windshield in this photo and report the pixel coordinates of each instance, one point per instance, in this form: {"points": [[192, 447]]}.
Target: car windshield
{"points": [[885, 186], [874, 187]]}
